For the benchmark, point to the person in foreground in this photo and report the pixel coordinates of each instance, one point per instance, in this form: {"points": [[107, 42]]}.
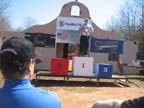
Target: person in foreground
{"points": [[17, 67], [133, 103]]}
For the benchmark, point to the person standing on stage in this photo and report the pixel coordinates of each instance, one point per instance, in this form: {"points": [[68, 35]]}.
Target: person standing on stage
{"points": [[86, 29]]}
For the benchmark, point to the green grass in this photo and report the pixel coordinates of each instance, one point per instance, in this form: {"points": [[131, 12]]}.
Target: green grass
{"points": [[135, 76]]}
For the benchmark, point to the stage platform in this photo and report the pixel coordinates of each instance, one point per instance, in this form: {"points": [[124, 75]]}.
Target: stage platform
{"points": [[123, 78]]}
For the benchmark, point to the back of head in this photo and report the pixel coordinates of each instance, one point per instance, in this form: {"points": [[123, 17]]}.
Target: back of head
{"points": [[13, 55]]}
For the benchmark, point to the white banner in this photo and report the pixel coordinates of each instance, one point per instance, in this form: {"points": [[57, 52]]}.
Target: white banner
{"points": [[69, 23], [67, 30]]}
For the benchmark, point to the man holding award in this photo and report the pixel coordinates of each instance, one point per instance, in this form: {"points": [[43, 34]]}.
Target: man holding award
{"points": [[85, 30]]}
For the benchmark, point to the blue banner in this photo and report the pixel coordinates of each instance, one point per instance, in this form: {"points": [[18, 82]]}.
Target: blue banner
{"points": [[106, 46]]}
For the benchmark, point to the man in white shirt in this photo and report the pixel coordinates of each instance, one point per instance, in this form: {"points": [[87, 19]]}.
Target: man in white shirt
{"points": [[85, 30]]}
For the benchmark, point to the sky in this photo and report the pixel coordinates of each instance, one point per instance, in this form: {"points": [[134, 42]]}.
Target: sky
{"points": [[44, 11]]}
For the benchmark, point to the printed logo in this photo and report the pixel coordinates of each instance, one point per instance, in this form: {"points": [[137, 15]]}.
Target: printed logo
{"points": [[62, 35], [61, 23]]}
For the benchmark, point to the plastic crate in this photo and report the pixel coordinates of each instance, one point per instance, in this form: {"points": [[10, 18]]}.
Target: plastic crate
{"points": [[59, 66], [83, 66], [103, 70]]}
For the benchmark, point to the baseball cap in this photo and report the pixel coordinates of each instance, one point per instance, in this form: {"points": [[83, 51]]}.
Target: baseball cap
{"points": [[21, 48]]}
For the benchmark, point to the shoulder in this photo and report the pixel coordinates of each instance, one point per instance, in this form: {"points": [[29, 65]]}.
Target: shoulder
{"points": [[45, 92], [32, 98], [47, 98]]}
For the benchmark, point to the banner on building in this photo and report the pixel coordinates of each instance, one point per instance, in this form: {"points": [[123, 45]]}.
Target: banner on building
{"points": [[67, 30], [106, 46], [68, 36]]}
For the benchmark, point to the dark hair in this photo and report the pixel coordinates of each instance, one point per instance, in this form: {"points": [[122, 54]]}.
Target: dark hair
{"points": [[10, 66], [86, 19], [15, 52]]}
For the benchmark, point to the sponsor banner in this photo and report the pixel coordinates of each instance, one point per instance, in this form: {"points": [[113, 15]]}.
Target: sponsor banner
{"points": [[67, 30], [106, 46], [68, 36], [69, 23]]}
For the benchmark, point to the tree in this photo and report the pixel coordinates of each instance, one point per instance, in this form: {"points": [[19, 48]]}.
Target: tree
{"points": [[29, 22], [140, 8], [4, 23], [112, 24], [139, 4], [4, 4], [130, 22], [125, 21]]}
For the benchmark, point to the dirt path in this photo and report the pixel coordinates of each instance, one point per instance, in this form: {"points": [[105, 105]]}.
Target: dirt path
{"points": [[85, 97], [79, 93], [74, 99]]}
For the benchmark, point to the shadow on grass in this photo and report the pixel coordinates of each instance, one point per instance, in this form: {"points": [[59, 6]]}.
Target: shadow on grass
{"points": [[51, 83]]}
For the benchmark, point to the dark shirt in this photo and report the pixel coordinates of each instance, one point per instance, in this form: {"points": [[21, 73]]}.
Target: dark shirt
{"points": [[134, 103]]}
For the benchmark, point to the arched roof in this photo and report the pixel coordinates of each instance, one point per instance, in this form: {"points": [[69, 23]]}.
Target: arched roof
{"points": [[50, 28]]}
